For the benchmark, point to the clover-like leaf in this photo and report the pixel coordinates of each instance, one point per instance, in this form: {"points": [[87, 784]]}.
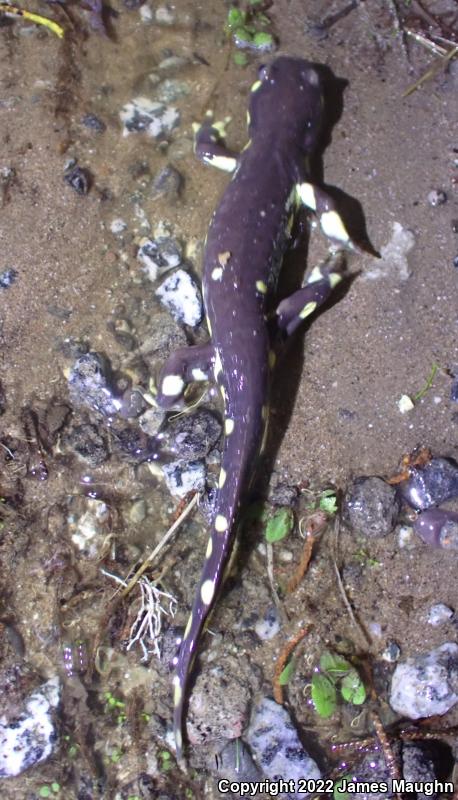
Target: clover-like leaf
{"points": [[279, 525], [324, 695], [353, 689]]}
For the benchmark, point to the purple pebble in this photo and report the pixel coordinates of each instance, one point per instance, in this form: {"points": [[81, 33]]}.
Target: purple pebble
{"points": [[438, 528]]}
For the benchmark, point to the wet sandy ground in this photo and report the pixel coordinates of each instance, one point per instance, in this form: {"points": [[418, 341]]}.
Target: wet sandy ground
{"points": [[393, 322]]}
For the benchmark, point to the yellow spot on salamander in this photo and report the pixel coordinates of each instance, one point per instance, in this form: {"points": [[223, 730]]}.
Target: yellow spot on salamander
{"points": [[333, 227], [172, 385], [334, 279], [315, 275], [308, 309], [221, 523], [248, 144], [209, 326], [264, 413], [248, 118], [256, 86], [217, 273], [228, 426], [207, 591], [188, 628], [218, 367], [306, 194], [177, 691], [272, 359], [209, 548], [261, 287], [226, 163], [222, 478]]}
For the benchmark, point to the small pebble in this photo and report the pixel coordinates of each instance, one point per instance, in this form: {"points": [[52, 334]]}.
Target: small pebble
{"points": [[165, 16], [438, 614], [142, 115], [88, 443], [438, 528], [88, 524], [181, 479], [79, 179], [371, 507], [151, 420], [7, 278], [392, 652], [180, 294], [118, 226], [30, 735], [218, 706], [138, 511], [276, 747], [437, 197], [191, 437], [168, 183], [434, 483], [94, 123], [90, 383], [405, 536], [269, 625], [427, 684], [159, 255], [146, 13], [171, 89], [454, 225]]}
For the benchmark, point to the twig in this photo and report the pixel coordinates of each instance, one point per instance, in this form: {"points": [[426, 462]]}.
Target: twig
{"points": [[432, 71], [343, 593], [282, 659], [165, 539], [315, 524], [270, 573]]}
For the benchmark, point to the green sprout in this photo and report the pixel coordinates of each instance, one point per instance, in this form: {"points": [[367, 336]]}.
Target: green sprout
{"points": [[279, 525], [245, 26], [335, 675], [114, 705], [48, 791], [287, 673], [166, 760]]}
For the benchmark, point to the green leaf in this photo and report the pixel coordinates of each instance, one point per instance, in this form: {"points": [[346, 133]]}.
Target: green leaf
{"points": [[328, 502], [337, 793], [353, 689], [263, 40], [240, 59], [235, 18], [242, 35], [279, 525], [334, 665], [324, 695], [286, 674]]}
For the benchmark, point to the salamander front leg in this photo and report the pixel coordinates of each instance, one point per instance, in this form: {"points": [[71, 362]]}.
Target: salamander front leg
{"points": [[185, 365], [209, 144], [292, 311], [318, 200]]}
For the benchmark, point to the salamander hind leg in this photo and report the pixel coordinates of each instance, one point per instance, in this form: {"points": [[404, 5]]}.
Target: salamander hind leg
{"points": [[292, 311], [318, 200], [209, 144], [185, 365]]}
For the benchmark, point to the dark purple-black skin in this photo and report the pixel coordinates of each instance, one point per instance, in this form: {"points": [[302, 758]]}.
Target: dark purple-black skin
{"points": [[246, 241]]}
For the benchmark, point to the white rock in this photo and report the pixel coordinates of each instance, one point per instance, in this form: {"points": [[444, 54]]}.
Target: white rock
{"points": [[184, 478], [394, 256], [427, 684], [30, 736], [159, 255], [439, 613], [89, 528], [180, 295], [142, 115], [276, 747]]}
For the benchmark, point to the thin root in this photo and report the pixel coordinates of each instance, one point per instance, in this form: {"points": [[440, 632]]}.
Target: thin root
{"points": [[283, 658]]}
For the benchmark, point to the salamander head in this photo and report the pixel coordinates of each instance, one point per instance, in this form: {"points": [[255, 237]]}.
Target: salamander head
{"points": [[286, 102]]}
